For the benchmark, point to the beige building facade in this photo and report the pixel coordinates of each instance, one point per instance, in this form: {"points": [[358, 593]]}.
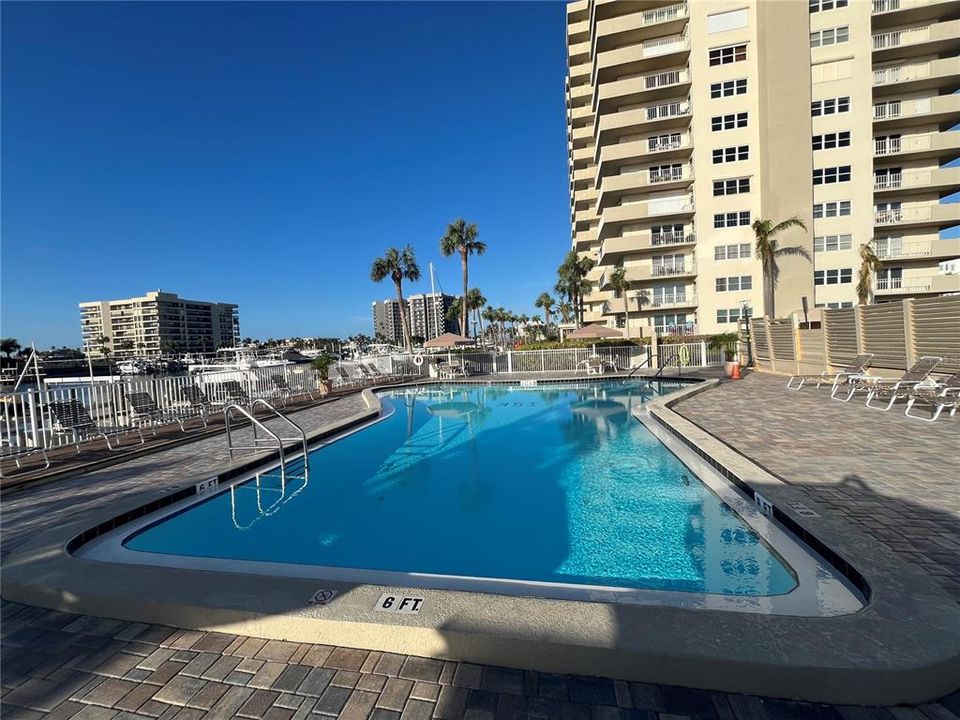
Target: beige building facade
{"points": [[158, 323], [689, 121]]}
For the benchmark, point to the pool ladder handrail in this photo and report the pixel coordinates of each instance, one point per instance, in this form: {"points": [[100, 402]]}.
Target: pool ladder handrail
{"points": [[273, 438]]}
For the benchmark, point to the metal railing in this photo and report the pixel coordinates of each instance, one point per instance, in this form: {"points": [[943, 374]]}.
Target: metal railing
{"points": [[901, 73], [896, 38], [272, 439], [887, 251], [664, 14], [889, 285]]}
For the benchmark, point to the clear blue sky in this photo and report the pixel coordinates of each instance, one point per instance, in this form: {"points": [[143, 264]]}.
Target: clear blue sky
{"points": [[265, 153]]}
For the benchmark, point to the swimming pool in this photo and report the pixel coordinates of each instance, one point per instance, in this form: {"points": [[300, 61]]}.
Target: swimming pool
{"points": [[552, 485]]}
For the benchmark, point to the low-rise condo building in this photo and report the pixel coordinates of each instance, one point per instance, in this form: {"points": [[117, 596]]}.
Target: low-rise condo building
{"points": [[689, 121], [157, 323]]}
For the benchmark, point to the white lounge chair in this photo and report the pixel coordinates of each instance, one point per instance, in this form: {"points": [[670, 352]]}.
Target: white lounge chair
{"points": [[855, 367], [917, 373]]}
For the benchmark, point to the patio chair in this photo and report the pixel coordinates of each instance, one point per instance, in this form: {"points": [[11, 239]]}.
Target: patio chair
{"points": [[235, 392], [144, 409], [375, 372], [281, 389], [917, 373], [199, 402], [10, 451], [344, 379], [72, 418], [594, 365], [938, 396], [855, 367]]}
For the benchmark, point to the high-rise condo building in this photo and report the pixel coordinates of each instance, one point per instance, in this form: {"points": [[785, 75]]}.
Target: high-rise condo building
{"points": [[426, 313], [689, 121], [157, 323]]}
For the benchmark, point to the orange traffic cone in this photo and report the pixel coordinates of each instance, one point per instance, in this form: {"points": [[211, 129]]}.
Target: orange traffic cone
{"points": [[735, 375]]}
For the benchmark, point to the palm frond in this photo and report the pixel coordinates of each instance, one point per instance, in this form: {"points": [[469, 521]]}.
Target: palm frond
{"points": [[792, 250]]}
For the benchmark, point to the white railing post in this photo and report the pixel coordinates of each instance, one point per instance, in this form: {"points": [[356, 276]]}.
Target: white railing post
{"points": [[703, 353], [509, 361], [543, 361]]}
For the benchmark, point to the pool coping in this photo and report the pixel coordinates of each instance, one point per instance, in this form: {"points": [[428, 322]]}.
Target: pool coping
{"points": [[904, 647]]}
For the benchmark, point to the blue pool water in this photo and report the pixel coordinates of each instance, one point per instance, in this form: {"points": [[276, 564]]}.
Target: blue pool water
{"points": [[555, 483]]}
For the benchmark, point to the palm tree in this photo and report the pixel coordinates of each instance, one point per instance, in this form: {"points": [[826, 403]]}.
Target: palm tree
{"points": [[475, 302], [9, 346], [398, 265], [546, 302], [566, 311], [461, 238], [618, 281], [490, 315], [573, 281], [869, 265], [768, 251], [454, 313]]}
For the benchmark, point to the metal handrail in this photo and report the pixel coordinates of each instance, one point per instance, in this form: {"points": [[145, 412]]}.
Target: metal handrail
{"points": [[646, 361], [675, 356], [276, 439]]}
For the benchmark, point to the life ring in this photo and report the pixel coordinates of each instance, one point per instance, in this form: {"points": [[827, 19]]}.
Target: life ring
{"points": [[683, 355], [418, 360]]}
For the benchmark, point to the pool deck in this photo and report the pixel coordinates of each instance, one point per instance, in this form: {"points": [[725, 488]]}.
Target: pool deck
{"points": [[65, 663]]}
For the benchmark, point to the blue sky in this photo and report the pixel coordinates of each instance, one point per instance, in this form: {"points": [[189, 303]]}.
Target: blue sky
{"points": [[265, 153]]}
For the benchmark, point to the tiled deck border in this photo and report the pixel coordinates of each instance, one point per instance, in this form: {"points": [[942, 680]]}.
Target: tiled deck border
{"points": [[904, 647]]}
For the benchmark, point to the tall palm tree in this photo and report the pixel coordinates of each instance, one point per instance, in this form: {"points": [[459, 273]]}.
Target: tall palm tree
{"points": [[768, 250], [869, 265], [490, 315], [546, 302], [566, 311], [475, 303], [618, 281], [398, 265], [461, 238], [454, 313]]}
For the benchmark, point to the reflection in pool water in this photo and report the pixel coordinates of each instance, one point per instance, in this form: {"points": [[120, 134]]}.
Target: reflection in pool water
{"points": [[557, 483]]}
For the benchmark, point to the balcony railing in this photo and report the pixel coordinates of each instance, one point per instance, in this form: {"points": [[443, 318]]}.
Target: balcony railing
{"points": [[665, 14], [672, 238], [891, 251], [665, 207], [896, 38], [913, 178], [662, 46], [906, 143], [896, 215], [671, 300], [669, 175], [670, 270], [882, 6], [899, 108], [659, 145], [667, 110], [900, 285], [901, 73], [683, 329], [665, 78]]}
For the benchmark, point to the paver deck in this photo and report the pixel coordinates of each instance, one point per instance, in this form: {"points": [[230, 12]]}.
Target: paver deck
{"points": [[61, 665], [889, 476]]}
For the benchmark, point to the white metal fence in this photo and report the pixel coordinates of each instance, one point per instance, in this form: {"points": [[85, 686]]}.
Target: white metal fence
{"points": [[28, 420]]}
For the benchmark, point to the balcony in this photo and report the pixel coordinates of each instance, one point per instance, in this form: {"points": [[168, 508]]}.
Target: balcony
{"points": [[917, 285], [919, 111], [653, 272], [653, 118], [613, 247], [908, 181], [642, 88], [938, 214], [614, 186], [670, 300], [635, 27], [889, 13], [941, 146], [940, 37], [583, 177], [640, 211], [582, 240], [918, 76], [918, 250]]}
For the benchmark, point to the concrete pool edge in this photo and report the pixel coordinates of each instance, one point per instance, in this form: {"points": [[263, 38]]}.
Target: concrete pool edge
{"points": [[891, 652]]}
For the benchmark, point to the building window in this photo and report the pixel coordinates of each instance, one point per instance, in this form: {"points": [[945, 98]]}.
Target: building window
{"points": [[664, 142], [835, 305], [662, 234], [728, 122], [830, 36], [824, 5], [665, 173], [731, 219], [732, 315], [728, 88], [830, 141], [732, 252], [830, 175], [736, 282], [830, 243], [830, 106], [831, 209], [731, 154], [733, 186], [833, 277], [728, 55]]}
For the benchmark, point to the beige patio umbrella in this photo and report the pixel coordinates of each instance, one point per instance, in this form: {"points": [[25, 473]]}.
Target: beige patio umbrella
{"points": [[593, 331], [447, 340]]}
